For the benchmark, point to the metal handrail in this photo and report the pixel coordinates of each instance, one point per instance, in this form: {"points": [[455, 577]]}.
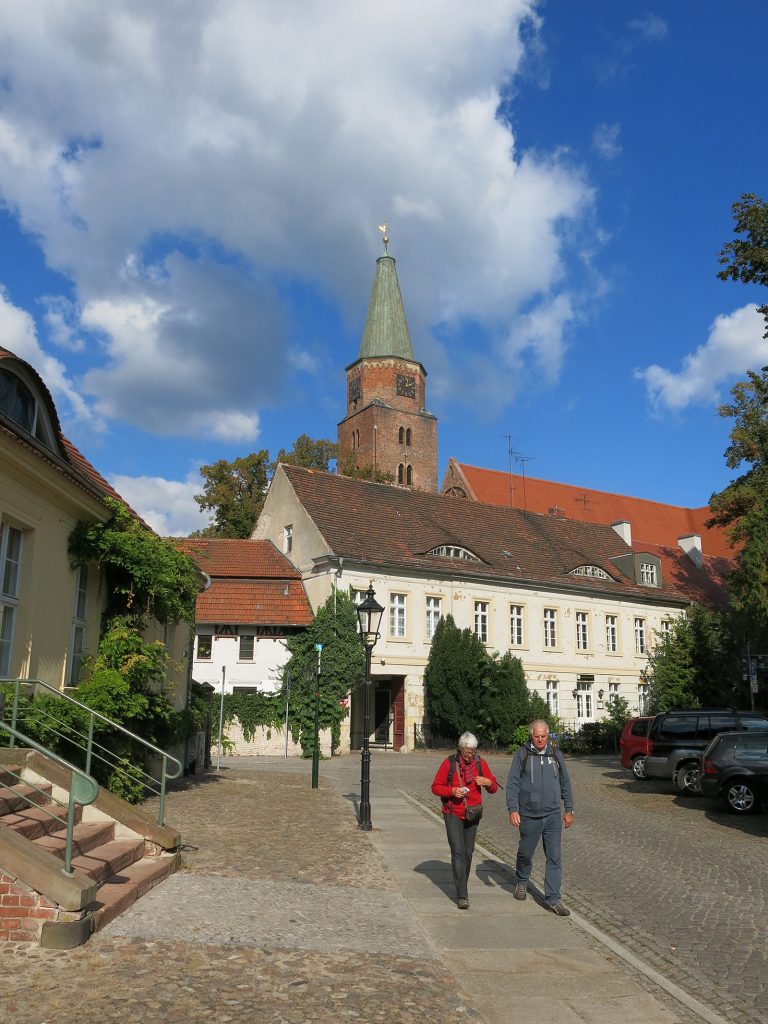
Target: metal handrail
{"points": [[172, 772], [83, 789]]}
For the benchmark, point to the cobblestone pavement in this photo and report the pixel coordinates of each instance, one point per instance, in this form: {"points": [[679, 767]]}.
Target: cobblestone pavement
{"points": [[283, 914], [676, 879]]}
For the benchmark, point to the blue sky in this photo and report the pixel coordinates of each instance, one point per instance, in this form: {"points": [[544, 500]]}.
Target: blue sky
{"points": [[190, 199]]}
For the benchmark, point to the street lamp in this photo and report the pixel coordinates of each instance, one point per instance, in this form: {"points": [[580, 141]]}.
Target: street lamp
{"points": [[369, 613]]}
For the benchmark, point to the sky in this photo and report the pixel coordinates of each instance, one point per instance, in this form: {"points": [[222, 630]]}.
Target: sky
{"points": [[190, 194]]}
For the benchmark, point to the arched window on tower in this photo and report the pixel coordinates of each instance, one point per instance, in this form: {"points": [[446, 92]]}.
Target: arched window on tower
{"points": [[409, 475], [408, 438], [400, 473], [401, 435]]}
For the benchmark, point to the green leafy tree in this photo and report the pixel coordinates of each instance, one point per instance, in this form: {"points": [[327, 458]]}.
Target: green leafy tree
{"points": [[505, 702], [342, 670], [454, 680], [348, 467], [309, 453], [746, 259], [234, 493], [695, 664], [146, 575]]}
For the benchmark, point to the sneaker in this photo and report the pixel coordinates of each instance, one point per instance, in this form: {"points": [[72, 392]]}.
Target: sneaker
{"points": [[560, 909], [521, 891], [463, 904]]}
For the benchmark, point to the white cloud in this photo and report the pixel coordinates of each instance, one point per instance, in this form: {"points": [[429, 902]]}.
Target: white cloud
{"points": [[18, 334], [734, 345], [650, 26], [605, 140], [181, 163], [168, 506]]}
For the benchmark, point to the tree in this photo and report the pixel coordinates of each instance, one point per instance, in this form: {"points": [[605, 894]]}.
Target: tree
{"points": [[505, 701], [308, 453], [348, 467], [695, 664], [234, 492], [454, 680], [746, 259], [342, 669]]}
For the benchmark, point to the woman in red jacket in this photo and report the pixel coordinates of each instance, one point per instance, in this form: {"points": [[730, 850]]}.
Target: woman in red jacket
{"points": [[459, 783]]}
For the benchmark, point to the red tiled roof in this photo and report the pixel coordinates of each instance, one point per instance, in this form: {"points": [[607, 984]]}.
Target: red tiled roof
{"points": [[707, 584], [394, 527], [238, 558], [652, 522], [268, 602]]}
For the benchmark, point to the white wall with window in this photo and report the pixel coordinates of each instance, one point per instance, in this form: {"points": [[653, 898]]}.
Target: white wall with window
{"points": [[550, 628], [239, 657], [611, 633], [516, 625], [582, 631], [10, 576], [397, 616], [433, 611], [640, 637], [481, 621], [584, 702], [553, 697]]}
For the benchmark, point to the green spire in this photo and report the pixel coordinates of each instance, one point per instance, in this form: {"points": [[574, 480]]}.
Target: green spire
{"points": [[386, 330]]}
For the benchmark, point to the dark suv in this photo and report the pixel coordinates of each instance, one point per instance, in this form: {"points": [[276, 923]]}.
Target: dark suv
{"points": [[734, 767], [677, 739]]}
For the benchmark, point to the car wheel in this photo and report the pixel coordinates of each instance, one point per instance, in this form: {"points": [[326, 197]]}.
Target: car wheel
{"points": [[741, 797], [638, 768], [688, 779]]}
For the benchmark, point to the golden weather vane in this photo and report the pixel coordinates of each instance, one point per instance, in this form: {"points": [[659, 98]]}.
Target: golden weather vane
{"points": [[383, 230]]}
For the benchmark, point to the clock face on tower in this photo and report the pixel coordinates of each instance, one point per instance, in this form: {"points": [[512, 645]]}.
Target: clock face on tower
{"points": [[354, 389], [405, 386]]}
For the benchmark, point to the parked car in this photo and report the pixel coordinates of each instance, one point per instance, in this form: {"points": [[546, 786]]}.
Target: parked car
{"points": [[734, 768], [677, 739], [633, 745]]}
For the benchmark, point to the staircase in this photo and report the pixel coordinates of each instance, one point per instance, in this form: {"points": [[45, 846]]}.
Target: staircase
{"points": [[118, 853]]}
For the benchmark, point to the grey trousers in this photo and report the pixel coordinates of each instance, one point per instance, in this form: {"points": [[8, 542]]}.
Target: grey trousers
{"points": [[461, 839], [550, 830]]}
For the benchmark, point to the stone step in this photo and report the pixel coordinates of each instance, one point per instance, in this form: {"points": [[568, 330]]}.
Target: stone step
{"points": [[32, 822], [124, 888], [109, 859], [9, 774], [85, 837], [14, 797]]}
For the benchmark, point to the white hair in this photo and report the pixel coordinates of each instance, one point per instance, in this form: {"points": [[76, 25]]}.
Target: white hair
{"points": [[539, 721], [467, 741]]}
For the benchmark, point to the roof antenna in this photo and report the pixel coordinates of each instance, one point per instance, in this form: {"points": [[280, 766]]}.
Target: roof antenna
{"points": [[521, 460]]}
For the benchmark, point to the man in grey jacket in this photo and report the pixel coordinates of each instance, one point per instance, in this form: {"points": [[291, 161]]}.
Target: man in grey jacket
{"points": [[537, 786]]}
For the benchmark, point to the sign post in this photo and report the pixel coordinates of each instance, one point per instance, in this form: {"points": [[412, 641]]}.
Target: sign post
{"points": [[316, 751], [221, 717]]}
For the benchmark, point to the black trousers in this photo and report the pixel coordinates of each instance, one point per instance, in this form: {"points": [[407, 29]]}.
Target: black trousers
{"points": [[461, 839]]}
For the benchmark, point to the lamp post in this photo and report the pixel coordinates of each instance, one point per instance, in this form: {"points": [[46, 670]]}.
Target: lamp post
{"points": [[369, 613]]}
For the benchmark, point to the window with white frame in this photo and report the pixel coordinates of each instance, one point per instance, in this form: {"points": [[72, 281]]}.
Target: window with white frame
{"points": [[397, 615], [481, 621], [553, 698], [550, 627], [78, 626], [666, 626], [10, 572], [642, 697], [584, 701], [434, 612], [516, 625], [640, 636], [287, 539], [611, 634], [582, 631], [246, 647], [648, 574], [204, 646]]}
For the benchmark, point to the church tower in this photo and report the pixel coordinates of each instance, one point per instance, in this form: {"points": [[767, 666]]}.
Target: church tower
{"points": [[387, 426]]}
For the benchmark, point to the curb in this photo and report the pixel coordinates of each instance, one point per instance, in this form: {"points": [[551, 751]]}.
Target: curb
{"points": [[690, 1003]]}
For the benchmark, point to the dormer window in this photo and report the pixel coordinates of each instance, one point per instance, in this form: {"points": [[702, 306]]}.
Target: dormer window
{"points": [[590, 570], [453, 551], [19, 404], [648, 574]]}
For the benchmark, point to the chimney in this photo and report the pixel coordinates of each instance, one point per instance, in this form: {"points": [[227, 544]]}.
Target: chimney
{"points": [[691, 545], [624, 530]]}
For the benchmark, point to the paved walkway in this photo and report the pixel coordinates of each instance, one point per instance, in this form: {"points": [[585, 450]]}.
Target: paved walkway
{"points": [[285, 913]]}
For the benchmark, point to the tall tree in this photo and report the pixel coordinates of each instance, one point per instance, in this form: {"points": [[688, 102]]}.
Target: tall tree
{"points": [[308, 452], [746, 259], [234, 492], [453, 681], [342, 668]]}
